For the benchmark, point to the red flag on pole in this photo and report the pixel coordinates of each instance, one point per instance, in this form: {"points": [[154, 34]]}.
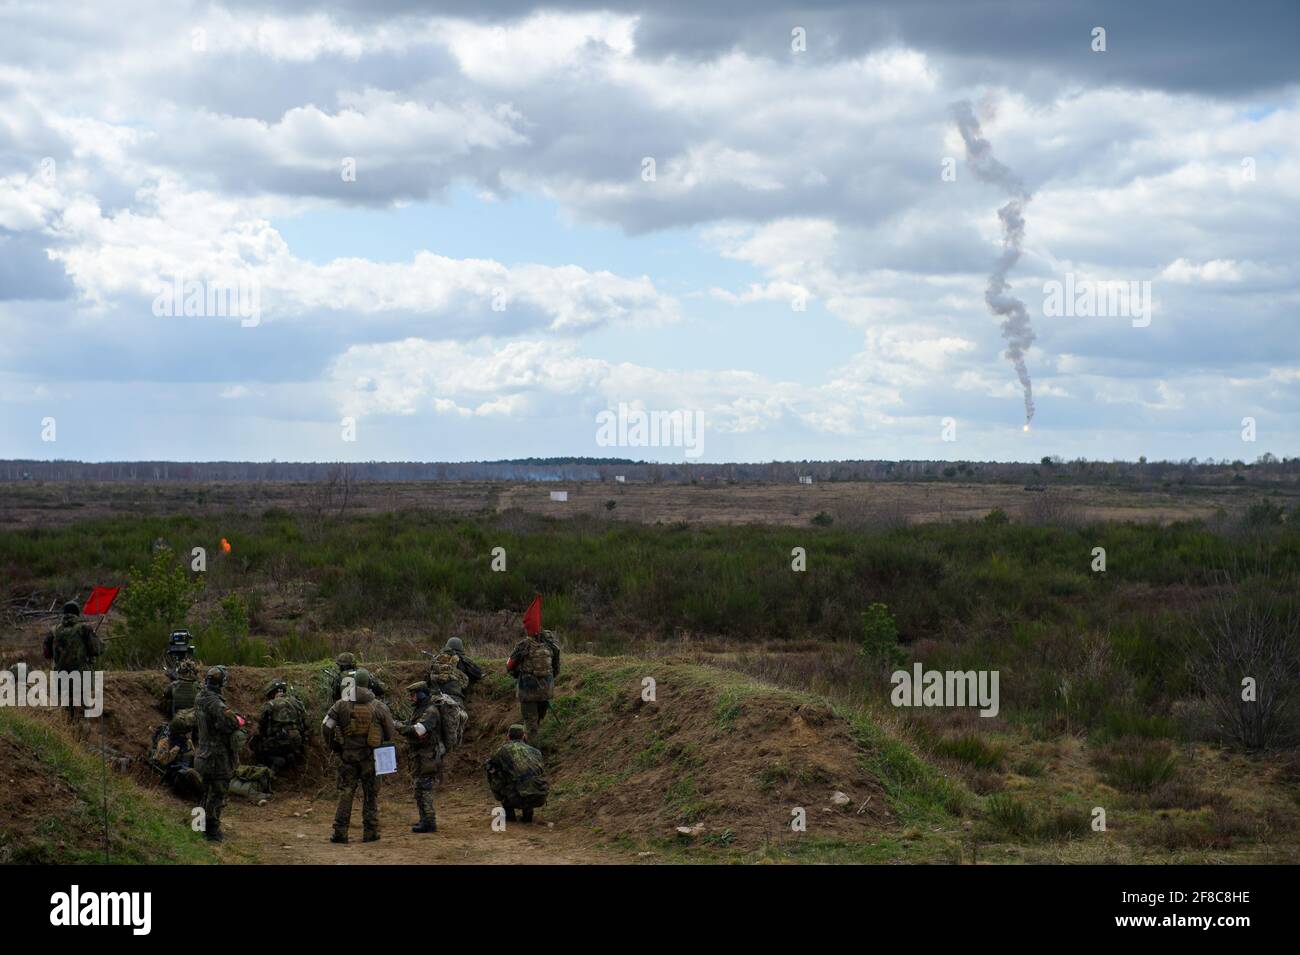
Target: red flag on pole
{"points": [[533, 617], [101, 598]]}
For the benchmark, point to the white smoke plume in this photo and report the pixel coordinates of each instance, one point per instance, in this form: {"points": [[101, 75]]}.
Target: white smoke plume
{"points": [[1016, 329]]}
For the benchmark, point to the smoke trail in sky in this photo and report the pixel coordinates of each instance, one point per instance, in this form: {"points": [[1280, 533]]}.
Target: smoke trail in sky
{"points": [[1016, 329]]}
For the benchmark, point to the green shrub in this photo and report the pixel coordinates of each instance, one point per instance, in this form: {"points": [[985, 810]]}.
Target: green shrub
{"points": [[880, 637]]}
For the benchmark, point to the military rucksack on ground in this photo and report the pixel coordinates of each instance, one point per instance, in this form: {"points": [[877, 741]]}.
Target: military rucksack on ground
{"points": [[252, 781]]}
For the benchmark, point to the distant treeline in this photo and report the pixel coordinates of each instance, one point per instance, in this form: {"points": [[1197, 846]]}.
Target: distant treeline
{"points": [[1265, 468]]}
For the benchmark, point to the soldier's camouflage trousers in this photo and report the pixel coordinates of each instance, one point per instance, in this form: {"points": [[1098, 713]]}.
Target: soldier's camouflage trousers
{"points": [[214, 800], [533, 714], [424, 796], [349, 777]]}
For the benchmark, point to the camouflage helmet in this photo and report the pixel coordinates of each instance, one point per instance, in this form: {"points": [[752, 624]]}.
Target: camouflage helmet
{"points": [[516, 731], [456, 645], [217, 676], [419, 688], [178, 726], [70, 609], [361, 677], [274, 687], [345, 661], [188, 670]]}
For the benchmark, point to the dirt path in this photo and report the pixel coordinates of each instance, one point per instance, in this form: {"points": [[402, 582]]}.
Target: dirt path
{"points": [[274, 834]]}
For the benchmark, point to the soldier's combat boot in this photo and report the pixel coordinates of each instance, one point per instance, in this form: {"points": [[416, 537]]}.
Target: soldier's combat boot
{"points": [[370, 837], [339, 837], [528, 816], [426, 825], [510, 815], [213, 835]]}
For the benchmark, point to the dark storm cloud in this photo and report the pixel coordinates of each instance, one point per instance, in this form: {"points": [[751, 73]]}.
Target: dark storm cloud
{"points": [[1199, 46]]}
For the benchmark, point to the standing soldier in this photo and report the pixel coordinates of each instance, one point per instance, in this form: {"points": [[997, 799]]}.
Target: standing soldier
{"points": [[74, 645], [517, 776], [424, 733], [217, 756], [353, 729], [534, 663]]}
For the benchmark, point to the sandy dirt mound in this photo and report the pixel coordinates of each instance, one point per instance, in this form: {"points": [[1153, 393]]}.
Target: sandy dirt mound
{"points": [[711, 751]]}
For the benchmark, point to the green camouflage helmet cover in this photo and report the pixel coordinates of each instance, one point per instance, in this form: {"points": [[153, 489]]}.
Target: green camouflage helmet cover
{"points": [[274, 687], [217, 676], [362, 677], [345, 661], [455, 645], [70, 609], [516, 731]]}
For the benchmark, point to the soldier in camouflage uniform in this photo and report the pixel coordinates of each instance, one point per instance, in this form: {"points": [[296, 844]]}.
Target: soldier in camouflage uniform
{"points": [[74, 646], [180, 695], [219, 727], [281, 728], [534, 663], [517, 775], [352, 730], [173, 757], [345, 665], [471, 670], [424, 734]]}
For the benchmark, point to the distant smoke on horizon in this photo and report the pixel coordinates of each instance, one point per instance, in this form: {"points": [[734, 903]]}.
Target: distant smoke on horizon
{"points": [[1017, 331]]}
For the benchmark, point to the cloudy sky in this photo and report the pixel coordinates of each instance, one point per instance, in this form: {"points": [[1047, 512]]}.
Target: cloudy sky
{"points": [[470, 232]]}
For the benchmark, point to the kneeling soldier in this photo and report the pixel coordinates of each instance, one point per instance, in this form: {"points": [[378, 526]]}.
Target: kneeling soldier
{"points": [[517, 775]]}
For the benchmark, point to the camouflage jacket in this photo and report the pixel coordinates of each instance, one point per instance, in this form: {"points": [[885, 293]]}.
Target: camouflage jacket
{"points": [[535, 663], [218, 725], [353, 728], [283, 720], [424, 734], [75, 645], [516, 770]]}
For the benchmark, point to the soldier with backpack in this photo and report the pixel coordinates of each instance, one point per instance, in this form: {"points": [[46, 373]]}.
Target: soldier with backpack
{"points": [[534, 663], [281, 728], [74, 646], [517, 776], [424, 733], [353, 729], [471, 670]]}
